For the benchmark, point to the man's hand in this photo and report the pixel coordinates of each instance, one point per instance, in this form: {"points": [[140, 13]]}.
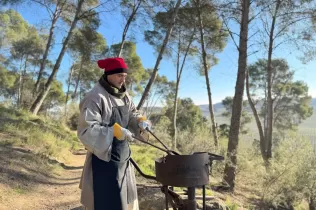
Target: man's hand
{"points": [[122, 133], [144, 124]]}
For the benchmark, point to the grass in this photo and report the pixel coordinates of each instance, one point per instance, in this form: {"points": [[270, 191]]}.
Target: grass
{"points": [[20, 190], [52, 139], [43, 136], [145, 157], [49, 138], [230, 204]]}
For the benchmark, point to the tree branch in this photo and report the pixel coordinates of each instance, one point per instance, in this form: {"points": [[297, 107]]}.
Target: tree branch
{"points": [[50, 12], [262, 10], [265, 26], [234, 33], [288, 25], [308, 12], [253, 35], [251, 53], [186, 52], [83, 15], [230, 33]]}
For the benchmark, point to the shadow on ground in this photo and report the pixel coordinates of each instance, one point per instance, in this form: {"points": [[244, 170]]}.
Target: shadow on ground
{"points": [[78, 208], [20, 168]]}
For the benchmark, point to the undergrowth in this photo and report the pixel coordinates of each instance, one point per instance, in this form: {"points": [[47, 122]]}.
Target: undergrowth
{"points": [[289, 182], [44, 136], [145, 157]]}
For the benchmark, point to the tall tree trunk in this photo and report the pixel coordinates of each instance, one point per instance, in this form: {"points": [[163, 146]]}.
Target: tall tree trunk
{"points": [[312, 204], [127, 25], [41, 97], [80, 92], [175, 102], [230, 167], [20, 85], [22, 81], [174, 117], [162, 49], [268, 137], [175, 107], [68, 89], [265, 115], [56, 15], [258, 121], [209, 93], [78, 79]]}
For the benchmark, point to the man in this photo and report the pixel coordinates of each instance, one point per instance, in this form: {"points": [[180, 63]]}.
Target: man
{"points": [[107, 115]]}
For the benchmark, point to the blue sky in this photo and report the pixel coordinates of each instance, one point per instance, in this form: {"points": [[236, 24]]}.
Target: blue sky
{"points": [[222, 76]]}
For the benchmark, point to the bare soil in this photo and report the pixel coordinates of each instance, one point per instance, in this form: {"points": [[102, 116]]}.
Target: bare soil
{"points": [[30, 181]]}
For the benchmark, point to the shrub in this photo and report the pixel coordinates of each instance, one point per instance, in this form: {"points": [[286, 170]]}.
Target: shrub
{"points": [[73, 121]]}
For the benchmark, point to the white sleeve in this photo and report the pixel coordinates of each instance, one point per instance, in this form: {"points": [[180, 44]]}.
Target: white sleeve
{"points": [[96, 137]]}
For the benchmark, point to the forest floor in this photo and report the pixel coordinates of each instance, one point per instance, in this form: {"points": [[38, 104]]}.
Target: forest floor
{"points": [[30, 181]]}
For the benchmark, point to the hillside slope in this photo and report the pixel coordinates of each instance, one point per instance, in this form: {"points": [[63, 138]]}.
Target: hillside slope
{"points": [[41, 163]]}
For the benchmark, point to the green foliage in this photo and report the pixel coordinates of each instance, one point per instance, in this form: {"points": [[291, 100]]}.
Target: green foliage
{"points": [[197, 140], [306, 178], [161, 91], [189, 115], [55, 97], [10, 2], [183, 30], [245, 116], [215, 39], [44, 137], [290, 98], [134, 13], [223, 130], [30, 46], [289, 178], [84, 77], [161, 126], [193, 131], [87, 41], [7, 82], [15, 114], [145, 157], [12, 27], [186, 24], [281, 186], [73, 121], [86, 46], [26, 47], [137, 74], [230, 204]]}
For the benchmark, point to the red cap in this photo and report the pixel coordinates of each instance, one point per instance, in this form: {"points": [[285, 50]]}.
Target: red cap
{"points": [[113, 65]]}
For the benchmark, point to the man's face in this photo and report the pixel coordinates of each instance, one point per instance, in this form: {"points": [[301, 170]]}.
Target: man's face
{"points": [[117, 79]]}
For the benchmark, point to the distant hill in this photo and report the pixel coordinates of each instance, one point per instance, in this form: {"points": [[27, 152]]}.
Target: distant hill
{"points": [[305, 126], [218, 108]]}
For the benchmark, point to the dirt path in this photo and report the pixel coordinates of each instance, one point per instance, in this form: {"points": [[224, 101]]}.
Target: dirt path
{"points": [[27, 182]]}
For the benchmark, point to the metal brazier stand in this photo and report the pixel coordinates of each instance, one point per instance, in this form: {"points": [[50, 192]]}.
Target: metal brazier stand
{"points": [[176, 170]]}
